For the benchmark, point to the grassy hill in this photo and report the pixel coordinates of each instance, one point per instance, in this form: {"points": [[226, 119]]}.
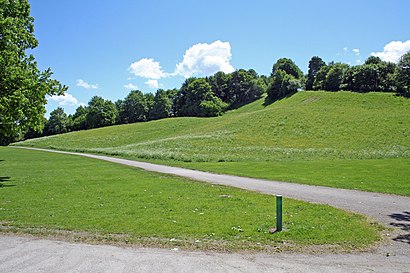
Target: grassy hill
{"points": [[342, 139]]}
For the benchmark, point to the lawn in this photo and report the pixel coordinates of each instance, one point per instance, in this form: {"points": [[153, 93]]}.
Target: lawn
{"points": [[70, 196], [343, 139]]}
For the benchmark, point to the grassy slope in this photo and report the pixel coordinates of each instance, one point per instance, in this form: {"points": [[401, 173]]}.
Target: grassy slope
{"points": [[52, 193], [359, 140]]}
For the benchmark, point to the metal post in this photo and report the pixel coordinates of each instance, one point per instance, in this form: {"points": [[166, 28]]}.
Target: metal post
{"points": [[278, 212]]}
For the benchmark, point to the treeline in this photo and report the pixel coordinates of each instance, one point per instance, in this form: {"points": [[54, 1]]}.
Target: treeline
{"points": [[212, 96], [200, 97], [374, 75]]}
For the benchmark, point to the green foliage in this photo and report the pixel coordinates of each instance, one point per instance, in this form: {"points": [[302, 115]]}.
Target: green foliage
{"points": [[134, 108], [163, 106], [80, 118], [108, 201], [212, 108], [373, 60], [287, 78], [404, 74], [315, 64], [221, 86], [284, 82], [197, 99], [100, 113], [288, 66], [23, 87], [335, 76], [244, 87], [374, 75], [319, 82], [237, 88], [58, 122]]}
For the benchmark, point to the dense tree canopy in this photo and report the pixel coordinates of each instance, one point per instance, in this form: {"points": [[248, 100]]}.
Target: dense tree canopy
{"points": [[288, 66], [404, 74], [58, 122], [163, 106], [335, 77], [287, 78], [315, 64], [134, 108], [80, 118], [197, 99], [100, 113], [245, 87], [23, 88]]}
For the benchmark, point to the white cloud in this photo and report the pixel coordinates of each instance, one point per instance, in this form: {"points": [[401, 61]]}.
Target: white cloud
{"points": [[66, 99], [206, 59], [356, 51], [147, 68], [86, 85], [131, 86], [200, 59], [345, 50], [393, 51], [152, 83]]}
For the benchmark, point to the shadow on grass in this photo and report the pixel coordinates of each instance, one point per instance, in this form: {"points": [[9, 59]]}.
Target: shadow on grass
{"points": [[4, 179], [403, 222], [268, 101]]}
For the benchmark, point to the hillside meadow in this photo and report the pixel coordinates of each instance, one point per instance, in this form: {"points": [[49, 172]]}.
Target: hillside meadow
{"points": [[337, 139]]}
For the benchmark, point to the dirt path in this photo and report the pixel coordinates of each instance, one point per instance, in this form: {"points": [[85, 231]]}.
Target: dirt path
{"points": [[391, 210], [30, 255]]}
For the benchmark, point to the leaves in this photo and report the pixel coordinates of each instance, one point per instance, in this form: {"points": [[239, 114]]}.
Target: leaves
{"points": [[22, 86]]}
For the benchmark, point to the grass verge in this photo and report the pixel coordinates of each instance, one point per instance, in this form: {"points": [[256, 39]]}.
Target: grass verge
{"points": [[69, 196]]}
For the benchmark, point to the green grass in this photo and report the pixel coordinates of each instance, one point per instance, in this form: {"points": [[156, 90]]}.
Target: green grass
{"points": [[309, 130], [46, 193], [376, 175]]}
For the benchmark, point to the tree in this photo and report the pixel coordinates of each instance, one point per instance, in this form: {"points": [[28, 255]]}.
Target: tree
{"points": [[319, 83], [58, 122], [315, 64], [163, 106], [134, 108], [196, 98], [80, 118], [23, 88], [374, 75], [288, 66], [244, 87], [283, 85], [373, 60], [335, 76], [100, 113], [287, 78], [403, 76], [220, 84]]}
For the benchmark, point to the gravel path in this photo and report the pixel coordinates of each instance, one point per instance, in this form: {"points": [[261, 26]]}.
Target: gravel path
{"points": [[391, 210], [28, 255]]}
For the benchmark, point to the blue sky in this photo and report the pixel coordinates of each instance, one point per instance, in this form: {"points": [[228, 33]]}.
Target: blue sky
{"points": [[107, 48]]}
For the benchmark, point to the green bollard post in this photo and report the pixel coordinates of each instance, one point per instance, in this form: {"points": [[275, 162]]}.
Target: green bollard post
{"points": [[278, 212]]}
